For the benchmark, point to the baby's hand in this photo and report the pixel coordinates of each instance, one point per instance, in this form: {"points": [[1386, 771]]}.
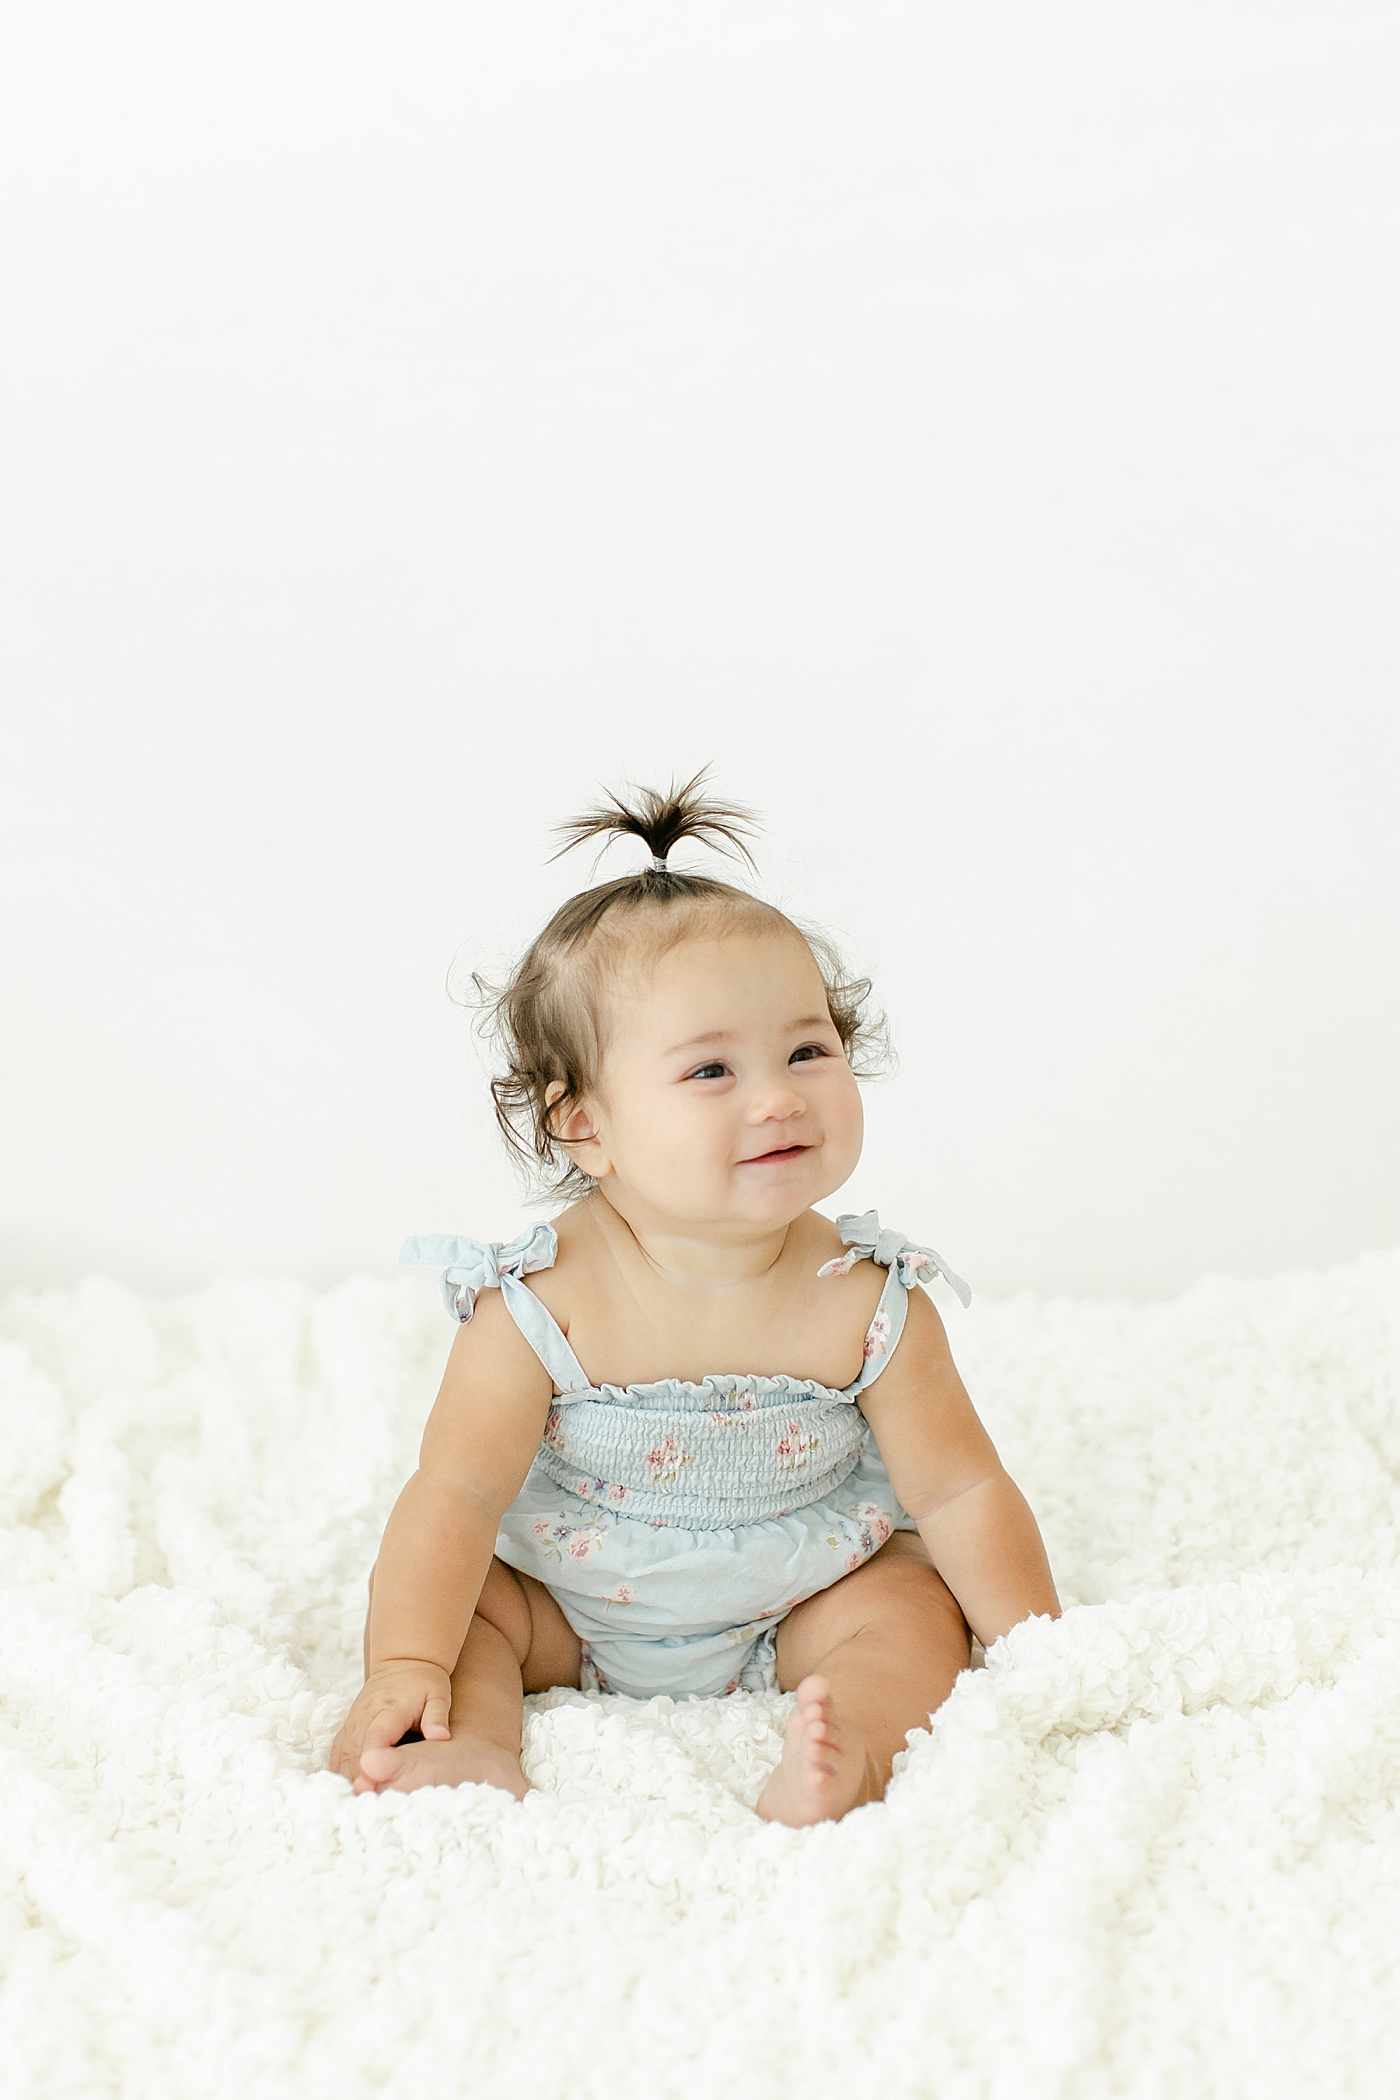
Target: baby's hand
{"points": [[395, 1697]]}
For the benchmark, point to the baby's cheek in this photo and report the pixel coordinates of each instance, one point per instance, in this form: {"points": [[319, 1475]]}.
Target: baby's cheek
{"points": [[677, 1154], [697, 1132], [845, 1119]]}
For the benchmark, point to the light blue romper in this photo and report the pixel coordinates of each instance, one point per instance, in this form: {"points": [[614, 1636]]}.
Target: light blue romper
{"points": [[677, 1524]]}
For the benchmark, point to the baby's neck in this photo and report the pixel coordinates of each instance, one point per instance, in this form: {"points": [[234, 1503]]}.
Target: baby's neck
{"points": [[704, 1256]]}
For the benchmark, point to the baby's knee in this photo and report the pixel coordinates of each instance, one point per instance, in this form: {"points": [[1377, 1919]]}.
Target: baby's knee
{"points": [[908, 1582]]}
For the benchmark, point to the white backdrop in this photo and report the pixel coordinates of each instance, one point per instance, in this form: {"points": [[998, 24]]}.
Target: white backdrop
{"points": [[973, 428]]}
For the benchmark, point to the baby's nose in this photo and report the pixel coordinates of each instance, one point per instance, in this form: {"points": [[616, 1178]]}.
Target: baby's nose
{"points": [[777, 1104]]}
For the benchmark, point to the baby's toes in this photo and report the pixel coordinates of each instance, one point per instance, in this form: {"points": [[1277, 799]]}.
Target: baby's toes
{"points": [[823, 1762]]}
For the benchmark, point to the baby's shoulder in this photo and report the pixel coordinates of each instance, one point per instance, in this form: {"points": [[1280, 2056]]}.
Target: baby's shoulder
{"points": [[812, 1243], [577, 1265], [817, 1236]]}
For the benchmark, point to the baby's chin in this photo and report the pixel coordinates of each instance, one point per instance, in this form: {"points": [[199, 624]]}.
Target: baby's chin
{"points": [[778, 1193], [759, 1192]]}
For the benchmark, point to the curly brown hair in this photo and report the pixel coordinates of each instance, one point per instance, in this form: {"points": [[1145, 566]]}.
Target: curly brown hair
{"points": [[547, 1021]]}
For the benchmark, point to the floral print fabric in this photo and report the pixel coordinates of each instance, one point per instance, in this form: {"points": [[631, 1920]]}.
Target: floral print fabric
{"points": [[664, 1609], [726, 1451]]}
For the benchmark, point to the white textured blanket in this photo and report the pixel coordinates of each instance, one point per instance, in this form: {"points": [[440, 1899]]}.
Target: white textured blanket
{"points": [[1151, 1850]]}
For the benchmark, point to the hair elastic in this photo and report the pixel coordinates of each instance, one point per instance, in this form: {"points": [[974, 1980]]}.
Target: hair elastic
{"points": [[658, 865]]}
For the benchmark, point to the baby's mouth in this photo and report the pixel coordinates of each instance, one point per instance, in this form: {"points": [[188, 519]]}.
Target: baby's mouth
{"points": [[764, 1159]]}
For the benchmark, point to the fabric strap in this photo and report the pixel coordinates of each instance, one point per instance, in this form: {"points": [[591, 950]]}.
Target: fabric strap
{"points": [[481, 1265], [908, 1264]]}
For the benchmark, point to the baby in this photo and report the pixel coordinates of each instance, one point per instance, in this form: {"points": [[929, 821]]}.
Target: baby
{"points": [[693, 1436]]}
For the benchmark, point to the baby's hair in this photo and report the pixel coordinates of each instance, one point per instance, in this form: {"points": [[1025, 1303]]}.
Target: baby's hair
{"points": [[547, 1020], [662, 821]]}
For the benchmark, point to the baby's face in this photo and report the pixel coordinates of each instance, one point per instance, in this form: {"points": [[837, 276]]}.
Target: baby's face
{"points": [[725, 1097]]}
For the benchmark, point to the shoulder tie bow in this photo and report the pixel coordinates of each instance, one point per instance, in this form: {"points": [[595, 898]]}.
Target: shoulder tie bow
{"points": [[481, 1265], [867, 1241]]}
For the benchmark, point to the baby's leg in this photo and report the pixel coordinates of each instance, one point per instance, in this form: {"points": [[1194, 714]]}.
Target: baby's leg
{"points": [[870, 1658], [518, 1641]]}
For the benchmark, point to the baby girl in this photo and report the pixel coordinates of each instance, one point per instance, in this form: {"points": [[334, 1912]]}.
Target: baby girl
{"points": [[692, 1436]]}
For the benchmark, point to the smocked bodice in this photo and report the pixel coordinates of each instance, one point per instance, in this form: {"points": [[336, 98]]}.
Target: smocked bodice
{"points": [[725, 1450], [728, 1450]]}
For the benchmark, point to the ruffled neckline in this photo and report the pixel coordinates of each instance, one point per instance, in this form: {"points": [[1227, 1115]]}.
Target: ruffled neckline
{"points": [[774, 1383]]}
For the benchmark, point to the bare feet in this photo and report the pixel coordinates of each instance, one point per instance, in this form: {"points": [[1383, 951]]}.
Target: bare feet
{"points": [[465, 1757], [824, 1770]]}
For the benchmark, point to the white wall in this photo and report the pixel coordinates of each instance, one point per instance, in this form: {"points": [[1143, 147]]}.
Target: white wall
{"points": [[973, 428]]}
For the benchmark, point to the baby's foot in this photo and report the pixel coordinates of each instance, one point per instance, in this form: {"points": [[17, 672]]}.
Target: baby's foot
{"points": [[823, 1770], [467, 1757]]}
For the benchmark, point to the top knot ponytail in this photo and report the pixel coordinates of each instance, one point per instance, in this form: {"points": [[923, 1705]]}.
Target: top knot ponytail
{"points": [[661, 821], [550, 1021]]}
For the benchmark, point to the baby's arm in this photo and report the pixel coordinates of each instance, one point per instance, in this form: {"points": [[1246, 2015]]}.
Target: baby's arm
{"points": [[943, 1466], [479, 1443]]}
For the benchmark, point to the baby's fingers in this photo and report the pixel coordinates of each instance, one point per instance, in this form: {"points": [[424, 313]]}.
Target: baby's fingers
{"points": [[345, 1750], [388, 1724], [434, 1721], [345, 1753]]}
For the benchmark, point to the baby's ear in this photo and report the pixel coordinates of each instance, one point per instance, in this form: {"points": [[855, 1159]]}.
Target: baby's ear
{"points": [[563, 1115], [575, 1127]]}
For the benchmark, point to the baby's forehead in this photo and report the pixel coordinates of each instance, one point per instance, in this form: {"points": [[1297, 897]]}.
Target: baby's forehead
{"points": [[738, 976]]}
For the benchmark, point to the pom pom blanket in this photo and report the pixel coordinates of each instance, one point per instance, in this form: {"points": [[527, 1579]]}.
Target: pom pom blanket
{"points": [[1153, 1849]]}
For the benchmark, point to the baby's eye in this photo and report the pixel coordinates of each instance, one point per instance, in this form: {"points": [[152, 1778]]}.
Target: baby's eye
{"points": [[711, 1071], [809, 1050]]}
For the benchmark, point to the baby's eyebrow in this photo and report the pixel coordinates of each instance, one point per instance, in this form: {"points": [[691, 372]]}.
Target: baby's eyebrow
{"points": [[726, 1035], [711, 1035]]}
